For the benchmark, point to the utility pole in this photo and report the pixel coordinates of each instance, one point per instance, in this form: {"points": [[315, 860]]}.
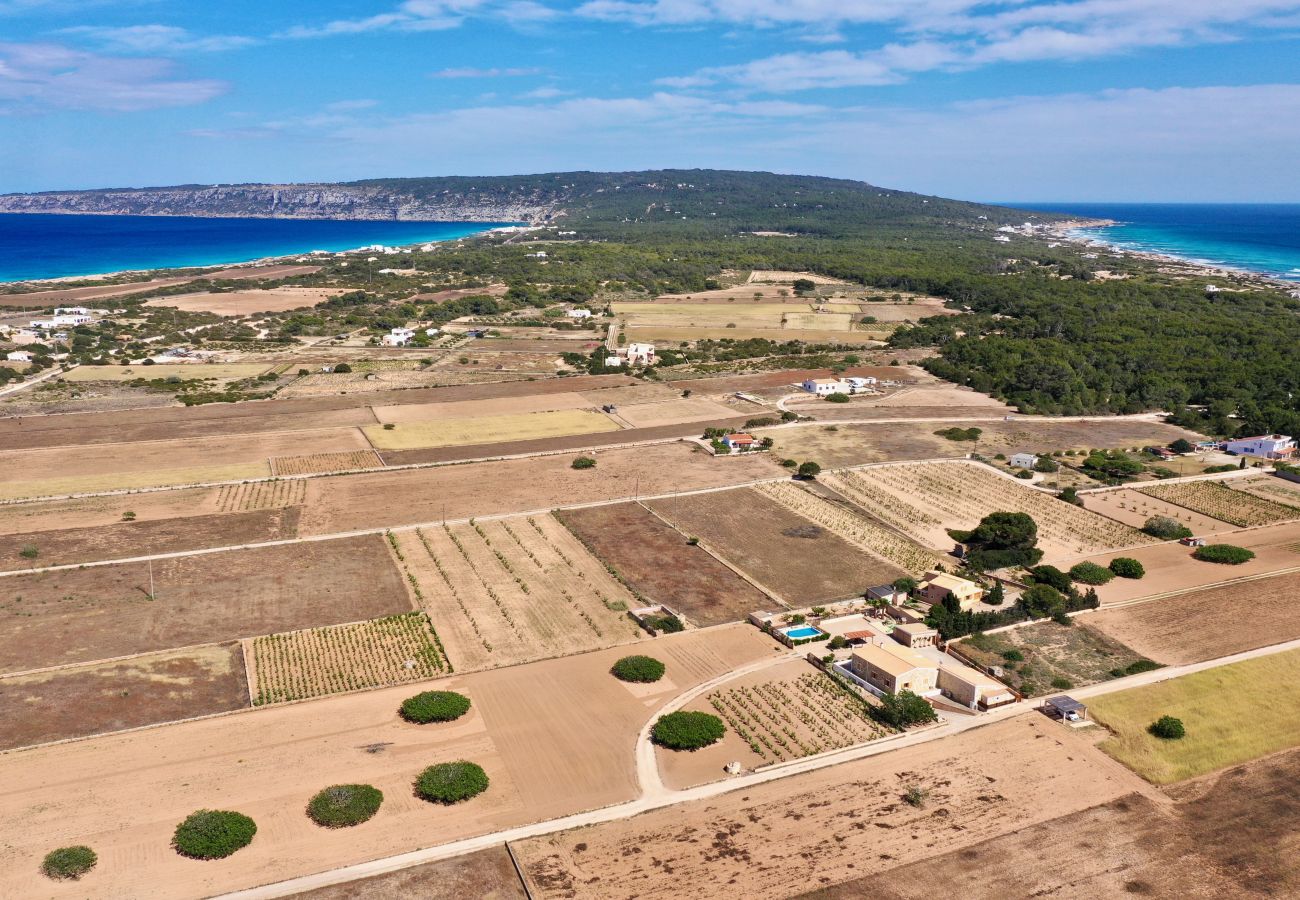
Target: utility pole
{"points": [[152, 595]]}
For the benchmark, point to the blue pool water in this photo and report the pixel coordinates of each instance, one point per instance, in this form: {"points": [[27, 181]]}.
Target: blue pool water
{"points": [[805, 631], [42, 245]]}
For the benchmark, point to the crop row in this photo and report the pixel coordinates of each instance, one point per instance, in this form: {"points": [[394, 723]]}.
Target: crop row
{"points": [[1209, 498], [324, 462], [320, 661], [261, 495], [906, 554]]}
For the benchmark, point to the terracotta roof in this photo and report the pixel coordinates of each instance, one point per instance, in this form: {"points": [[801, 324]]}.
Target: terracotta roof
{"points": [[859, 635], [894, 660]]}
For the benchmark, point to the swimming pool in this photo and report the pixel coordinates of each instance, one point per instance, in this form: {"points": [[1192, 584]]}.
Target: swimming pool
{"points": [[802, 632]]}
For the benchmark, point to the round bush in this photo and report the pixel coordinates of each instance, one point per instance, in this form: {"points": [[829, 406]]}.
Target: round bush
{"points": [[341, 805], [1127, 567], [688, 730], [1225, 554], [1166, 528], [1168, 728], [644, 669], [69, 862], [1091, 573], [213, 834], [434, 706], [451, 782]]}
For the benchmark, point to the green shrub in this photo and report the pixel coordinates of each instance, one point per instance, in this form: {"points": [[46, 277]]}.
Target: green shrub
{"points": [[1165, 528], [584, 462], [641, 669], [341, 805], [342, 369], [29, 552], [790, 463], [1127, 567], [213, 834], [69, 862], [1061, 684], [1168, 728], [683, 730], [1091, 573], [1225, 554], [1024, 473], [837, 397], [809, 470], [434, 706], [960, 434], [1013, 656], [903, 710], [451, 782], [1052, 576]]}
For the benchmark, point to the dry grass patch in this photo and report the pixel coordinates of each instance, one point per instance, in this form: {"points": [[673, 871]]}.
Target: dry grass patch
{"points": [[219, 371], [1232, 714], [326, 462], [116, 481], [351, 657], [671, 412], [1271, 488], [1079, 654], [1211, 498], [488, 429]]}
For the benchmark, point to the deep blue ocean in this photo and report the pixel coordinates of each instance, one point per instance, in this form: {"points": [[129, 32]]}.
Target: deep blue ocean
{"points": [[52, 246], [1259, 237]]}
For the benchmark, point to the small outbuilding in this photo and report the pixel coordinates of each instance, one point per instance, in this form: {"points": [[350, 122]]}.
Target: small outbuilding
{"points": [[886, 592], [914, 634], [1065, 708], [1024, 461]]}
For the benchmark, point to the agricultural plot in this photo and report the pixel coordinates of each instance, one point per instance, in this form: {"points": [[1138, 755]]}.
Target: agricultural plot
{"points": [[880, 542], [325, 462], [216, 371], [798, 561], [1231, 714], [485, 875], [1207, 624], [654, 560], [421, 413], [488, 429], [1134, 507], [260, 495], [1268, 487], [246, 303], [1046, 657], [788, 718], [513, 590], [349, 657], [958, 495], [1214, 499], [741, 333], [83, 700], [671, 412], [82, 615], [116, 481]]}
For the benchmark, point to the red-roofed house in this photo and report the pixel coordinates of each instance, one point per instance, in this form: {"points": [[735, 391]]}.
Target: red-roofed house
{"points": [[740, 441]]}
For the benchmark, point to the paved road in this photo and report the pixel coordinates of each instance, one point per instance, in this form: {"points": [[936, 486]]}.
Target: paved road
{"points": [[656, 796]]}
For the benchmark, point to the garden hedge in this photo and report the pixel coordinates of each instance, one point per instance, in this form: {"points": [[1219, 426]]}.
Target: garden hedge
{"points": [[451, 782], [434, 706], [684, 730], [341, 805], [1226, 554], [213, 834], [643, 669], [69, 862]]}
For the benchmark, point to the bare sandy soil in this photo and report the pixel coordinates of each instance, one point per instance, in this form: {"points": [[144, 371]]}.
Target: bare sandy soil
{"points": [[787, 554], [121, 540], [847, 821], [473, 409], [1210, 623], [1134, 508], [485, 875], [658, 563], [268, 762], [102, 697], [243, 303], [80, 615], [1170, 566], [82, 294], [518, 485], [87, 512], [671, 412], [1210, 842]]}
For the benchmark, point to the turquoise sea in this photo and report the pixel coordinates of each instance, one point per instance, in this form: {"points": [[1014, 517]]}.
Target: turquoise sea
{"points": [[1257, 237], [54, 246]]}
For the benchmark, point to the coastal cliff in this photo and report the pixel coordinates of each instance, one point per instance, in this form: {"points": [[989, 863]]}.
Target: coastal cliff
{"points": [[298, 201]]}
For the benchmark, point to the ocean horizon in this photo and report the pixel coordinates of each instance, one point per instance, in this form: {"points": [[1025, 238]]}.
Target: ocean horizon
{"points": [[1255, 237], [46, 245]]}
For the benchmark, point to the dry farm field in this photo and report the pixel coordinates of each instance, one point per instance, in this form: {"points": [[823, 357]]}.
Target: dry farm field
{"points": [[488, 429], [100, 697], [881, 542], [1052, 657], [800, 562], [513, 590], [1269, 487], [102, 612], [671, 412], [337, 658], [260, 495], [927, 498], [654, 560], [1134, 507], [219, 371], [1214, 499], [1206, 624], [121, 481], [244, 303], [325, 462], [483, 875]]}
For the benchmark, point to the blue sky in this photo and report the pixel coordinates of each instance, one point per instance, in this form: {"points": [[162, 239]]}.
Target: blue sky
{"points": [[1194, 100]]}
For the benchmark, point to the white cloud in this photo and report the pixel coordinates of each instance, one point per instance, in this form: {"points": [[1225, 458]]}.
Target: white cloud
{"points": [[432, 15], [36, 76], [161, 39]]}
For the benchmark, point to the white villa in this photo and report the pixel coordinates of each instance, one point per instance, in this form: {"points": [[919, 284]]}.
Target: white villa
{"points": [[398, 337], [1267, 446], [1024, 461]]}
